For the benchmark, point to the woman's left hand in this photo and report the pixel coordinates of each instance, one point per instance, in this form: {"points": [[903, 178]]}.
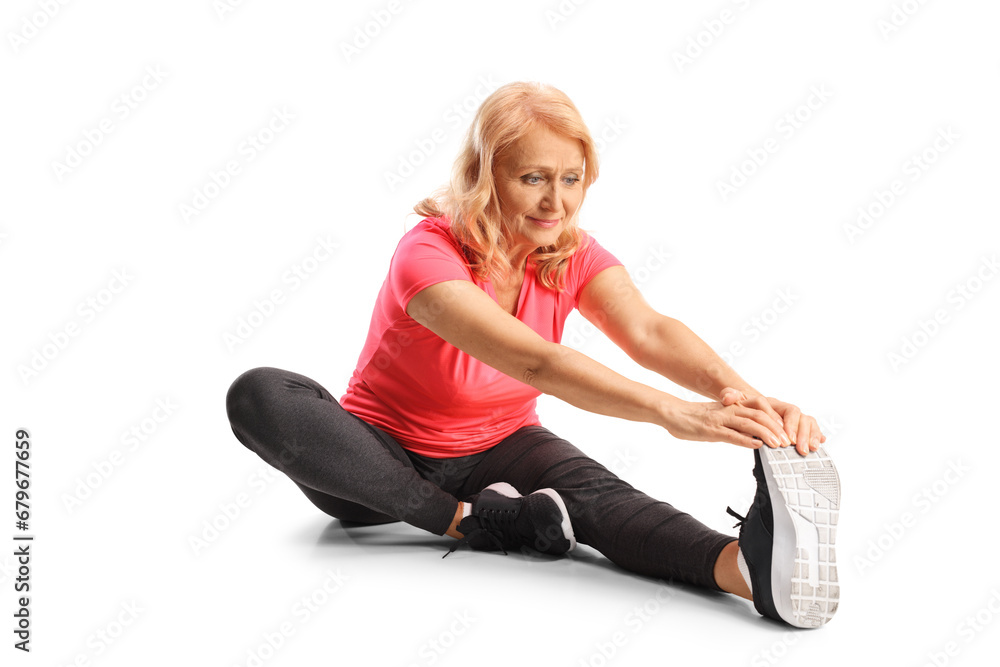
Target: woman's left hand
{"points": [[801, 429]]}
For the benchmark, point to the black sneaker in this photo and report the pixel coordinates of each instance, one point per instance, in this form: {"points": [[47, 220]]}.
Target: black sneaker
{"points": [[503, 519], [787, 537]]}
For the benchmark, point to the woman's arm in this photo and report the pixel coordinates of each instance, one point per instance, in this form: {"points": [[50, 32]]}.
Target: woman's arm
{"points": [[613, 303], [466, 317]]}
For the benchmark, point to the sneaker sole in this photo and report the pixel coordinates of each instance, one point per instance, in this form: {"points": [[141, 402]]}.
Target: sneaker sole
{"points": [[504, 489], [805, 500], [567, 527]]}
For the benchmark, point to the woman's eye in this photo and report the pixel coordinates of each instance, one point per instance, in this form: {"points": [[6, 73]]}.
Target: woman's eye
{"points": [[535, 180]]}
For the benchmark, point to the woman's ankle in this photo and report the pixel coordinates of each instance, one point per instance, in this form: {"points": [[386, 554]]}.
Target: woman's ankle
{"points": [[727, 573], [453, 528]]}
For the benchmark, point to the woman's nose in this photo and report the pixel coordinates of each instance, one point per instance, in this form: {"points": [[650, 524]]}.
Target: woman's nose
{"points": [[549, 197]]}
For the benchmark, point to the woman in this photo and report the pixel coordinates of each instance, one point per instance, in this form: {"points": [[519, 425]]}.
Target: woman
{"points": [[438, 427]]}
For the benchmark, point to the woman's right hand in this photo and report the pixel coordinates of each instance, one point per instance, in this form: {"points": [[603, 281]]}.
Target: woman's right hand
{"points": [[736, 424]]}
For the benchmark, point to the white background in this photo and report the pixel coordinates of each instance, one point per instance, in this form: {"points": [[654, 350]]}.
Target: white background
{"points": [[916, 541]]}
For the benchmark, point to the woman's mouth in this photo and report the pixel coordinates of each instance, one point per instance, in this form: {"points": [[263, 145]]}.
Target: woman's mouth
{"points": [[548, 224]]}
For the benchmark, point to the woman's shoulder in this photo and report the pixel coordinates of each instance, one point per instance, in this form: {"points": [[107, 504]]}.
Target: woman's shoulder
{"points": [[587, 247], [431, 230], [430, 239], [589, 259], [427, 254]]}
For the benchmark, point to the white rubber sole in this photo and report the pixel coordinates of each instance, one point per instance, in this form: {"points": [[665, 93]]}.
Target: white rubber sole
{"points": [[567, 527], [504, 489], [805, 498]]}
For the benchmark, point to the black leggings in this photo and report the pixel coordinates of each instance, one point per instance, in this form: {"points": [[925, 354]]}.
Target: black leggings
{"points": [[356, 472]]}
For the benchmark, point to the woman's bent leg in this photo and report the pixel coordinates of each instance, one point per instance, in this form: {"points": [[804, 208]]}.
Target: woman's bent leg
{"points": [[346, 467], [633, 530]]}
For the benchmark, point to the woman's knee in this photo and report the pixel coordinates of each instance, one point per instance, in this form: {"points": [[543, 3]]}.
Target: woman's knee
{"points": [[247, 392]]}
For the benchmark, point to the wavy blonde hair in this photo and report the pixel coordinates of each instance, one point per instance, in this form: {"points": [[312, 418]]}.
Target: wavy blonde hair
{"points": [[470, 200]]}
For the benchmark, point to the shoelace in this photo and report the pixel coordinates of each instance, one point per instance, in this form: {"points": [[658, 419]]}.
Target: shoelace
{"points": [[491, 522], [742, 519]]}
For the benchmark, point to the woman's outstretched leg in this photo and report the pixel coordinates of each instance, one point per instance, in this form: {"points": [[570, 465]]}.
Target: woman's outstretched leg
{"points": [[346, 467], [633, 530]]}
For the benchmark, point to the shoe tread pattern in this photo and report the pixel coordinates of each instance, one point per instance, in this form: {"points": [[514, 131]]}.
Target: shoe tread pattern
{"points": [[810, 487]]}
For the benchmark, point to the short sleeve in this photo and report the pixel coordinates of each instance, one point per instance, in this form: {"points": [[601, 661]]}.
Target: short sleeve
{"points": [[586, 263], [425, 256]]}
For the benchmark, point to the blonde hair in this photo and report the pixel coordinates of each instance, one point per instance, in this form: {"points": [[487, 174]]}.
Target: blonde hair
{"points": [[471, 202]]}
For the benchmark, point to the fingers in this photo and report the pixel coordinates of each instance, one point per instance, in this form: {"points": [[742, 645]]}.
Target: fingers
{"points": [[755, 423], [793, 427], [770, 430], [807, 441], [802, 437], [770, 418], [741, 439], [804, 429], [736, 437], [715, 423], [744, 440], [764, 404], [800, 429], [812, 435], [728, 396]]}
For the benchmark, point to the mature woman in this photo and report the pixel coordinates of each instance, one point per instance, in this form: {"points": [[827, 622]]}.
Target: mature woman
{"points": [[438, 427]]}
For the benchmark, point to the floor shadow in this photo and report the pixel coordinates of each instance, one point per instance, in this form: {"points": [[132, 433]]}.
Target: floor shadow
{"points": [[390, 538], [692, 594], [388, 535]]}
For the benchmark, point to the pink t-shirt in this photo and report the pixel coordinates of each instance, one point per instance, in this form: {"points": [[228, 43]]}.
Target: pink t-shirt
{"points": [[430, 396]]}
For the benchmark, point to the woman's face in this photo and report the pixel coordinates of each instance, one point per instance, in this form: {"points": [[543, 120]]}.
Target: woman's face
{"points": [[539, 182]]}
